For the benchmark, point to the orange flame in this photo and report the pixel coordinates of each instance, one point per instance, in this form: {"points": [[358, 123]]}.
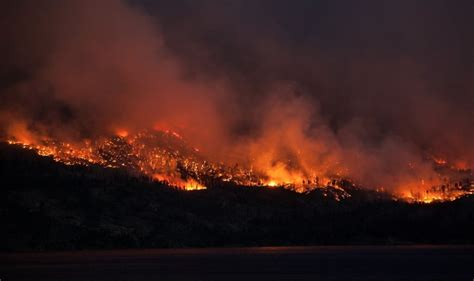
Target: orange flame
{"points": [[189, 184]]}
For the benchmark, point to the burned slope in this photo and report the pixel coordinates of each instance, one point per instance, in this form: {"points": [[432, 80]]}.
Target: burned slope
{"points": [[48, 205]]}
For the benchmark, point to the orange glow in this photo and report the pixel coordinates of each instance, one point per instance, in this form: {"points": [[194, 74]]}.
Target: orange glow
{"points": [[461, 165], [271, 183], [280, 174], [21, 133], [455, 164], [122, 133], [440, 161], [179, 183], [193, 185]]}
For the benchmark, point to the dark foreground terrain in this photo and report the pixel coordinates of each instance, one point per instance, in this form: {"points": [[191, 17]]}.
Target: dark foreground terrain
{"points": [[287, 263], [45, 205]]}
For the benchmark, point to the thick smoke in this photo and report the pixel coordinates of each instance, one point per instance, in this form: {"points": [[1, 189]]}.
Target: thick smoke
{"points": [[246, 88], [96, 66]]}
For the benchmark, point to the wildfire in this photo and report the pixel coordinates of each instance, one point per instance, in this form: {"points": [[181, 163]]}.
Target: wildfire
{"points": [[164, 156], [122, 151], [442, 189], [430, 197], [189, 184]]}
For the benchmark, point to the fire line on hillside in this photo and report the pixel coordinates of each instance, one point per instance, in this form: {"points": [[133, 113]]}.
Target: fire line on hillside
{"points": [[165, 156]]}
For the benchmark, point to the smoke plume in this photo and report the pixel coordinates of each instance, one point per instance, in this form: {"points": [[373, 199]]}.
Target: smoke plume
{"points": [[293, 95]]}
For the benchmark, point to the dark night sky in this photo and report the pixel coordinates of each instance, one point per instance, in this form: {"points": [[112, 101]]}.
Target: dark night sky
{"points": [[434, 35], [417, 28]]}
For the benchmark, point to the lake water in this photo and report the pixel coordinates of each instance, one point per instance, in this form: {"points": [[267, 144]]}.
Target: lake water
{"points": [[267, 263]]}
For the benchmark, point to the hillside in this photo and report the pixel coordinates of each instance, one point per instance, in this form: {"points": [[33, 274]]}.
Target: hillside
{"points": [[46, 205]]}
